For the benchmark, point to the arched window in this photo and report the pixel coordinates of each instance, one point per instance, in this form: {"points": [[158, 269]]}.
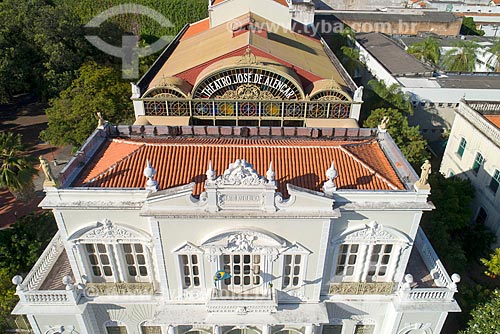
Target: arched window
{"points": [[115, 327], [114, 253], [370, 254]]}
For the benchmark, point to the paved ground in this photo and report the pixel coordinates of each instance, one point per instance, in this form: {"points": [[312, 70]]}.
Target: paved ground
{"points": [[29, 120]]}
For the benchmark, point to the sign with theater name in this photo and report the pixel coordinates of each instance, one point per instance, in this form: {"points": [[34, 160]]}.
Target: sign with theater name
{"points": [[218, 84]]}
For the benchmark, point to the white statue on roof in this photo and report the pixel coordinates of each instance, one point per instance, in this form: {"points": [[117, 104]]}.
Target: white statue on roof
{"points": [[331, 173]]}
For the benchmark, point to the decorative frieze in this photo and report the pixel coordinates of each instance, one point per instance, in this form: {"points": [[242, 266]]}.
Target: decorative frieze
{"points": [[114, 289], [361, 288]]}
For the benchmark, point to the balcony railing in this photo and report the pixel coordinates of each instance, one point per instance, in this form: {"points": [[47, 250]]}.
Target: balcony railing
{"points": [[44, 264], [431, 260], [446, 286], [225, 301], [247, 109]]}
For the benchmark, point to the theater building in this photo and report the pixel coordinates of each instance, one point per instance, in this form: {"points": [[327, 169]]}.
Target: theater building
{"points": [[255, 66], [245, 200]]}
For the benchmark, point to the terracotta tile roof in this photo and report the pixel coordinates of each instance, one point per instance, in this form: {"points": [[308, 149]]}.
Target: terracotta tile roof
{"points": [[495, 119], [181, 160], [196, 28], [281, 2]]}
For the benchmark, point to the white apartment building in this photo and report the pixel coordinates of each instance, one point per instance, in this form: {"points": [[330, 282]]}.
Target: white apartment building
{"points": [[473, 152]]}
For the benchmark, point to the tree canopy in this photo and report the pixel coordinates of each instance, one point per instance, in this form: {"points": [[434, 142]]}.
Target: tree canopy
{"points": [[448, 226], [427, 51], [72, 115], [485, 317], [20, 247], [392, 96], [408, 138], [494, 59], [42, 42], [462, 58], [16, 169]]}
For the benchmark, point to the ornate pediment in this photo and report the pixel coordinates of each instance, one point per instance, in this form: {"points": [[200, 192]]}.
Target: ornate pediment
{"points": [[188, 248], [373, 233], [297, 248], [240, 172], [109, 232], [248, 241]]}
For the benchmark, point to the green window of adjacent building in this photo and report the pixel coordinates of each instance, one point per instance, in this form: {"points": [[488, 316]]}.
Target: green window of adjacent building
{"points": [[332, 329], [495, 181], [116, 329], [461, 147], [477, 162]]}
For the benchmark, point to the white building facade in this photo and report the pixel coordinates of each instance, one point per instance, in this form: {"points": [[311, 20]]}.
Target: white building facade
{"points": [[473, 152], [338, 259]]}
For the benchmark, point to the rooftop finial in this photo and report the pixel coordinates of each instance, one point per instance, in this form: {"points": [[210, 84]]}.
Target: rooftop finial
{"points": [[270, 173], [210, 172], [149, 172], [331, 173]]}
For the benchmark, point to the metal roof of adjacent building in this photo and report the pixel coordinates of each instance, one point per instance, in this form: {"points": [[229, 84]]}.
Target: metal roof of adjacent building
{"points": [[393, 57], [423, 16], [361, 163], [464, 80]]}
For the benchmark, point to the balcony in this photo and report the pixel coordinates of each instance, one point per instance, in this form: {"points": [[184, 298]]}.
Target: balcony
{"points": [[227, 301], [50, 280], [426, 279]]}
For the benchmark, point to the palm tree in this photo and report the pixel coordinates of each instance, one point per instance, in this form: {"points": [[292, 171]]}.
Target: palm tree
{"points": [[350, 59], [392, 95], [494, 59], [462, 58], [426, 51], [16, 170]]}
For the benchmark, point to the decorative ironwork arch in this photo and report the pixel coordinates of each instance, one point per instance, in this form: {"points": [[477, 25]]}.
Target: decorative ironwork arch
{"points": [[330, 95], [250, 82], [164, 92]]}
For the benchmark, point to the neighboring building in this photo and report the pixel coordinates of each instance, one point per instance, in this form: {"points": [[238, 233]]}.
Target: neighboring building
{"points": [[473, 152], [486, 13], [310, 248], [409, 22], [435, 95], [225, 210]]}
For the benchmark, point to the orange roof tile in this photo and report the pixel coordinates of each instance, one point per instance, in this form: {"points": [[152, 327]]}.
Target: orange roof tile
{"points": [[495, 119], [181, 160], [196, 28], [281, 2]]}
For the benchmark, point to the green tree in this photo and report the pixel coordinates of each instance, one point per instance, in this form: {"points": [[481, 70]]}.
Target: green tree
{"points": [[8, 299], [462, 58], [408, 138], [72, 117], [350, 59], [16, 169], [427, 50], [469, 27], [447, 225], [492, 264], [40, 47], [20, 247], [392, 96], [494, 59], [485, 317], [20, 244]]}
